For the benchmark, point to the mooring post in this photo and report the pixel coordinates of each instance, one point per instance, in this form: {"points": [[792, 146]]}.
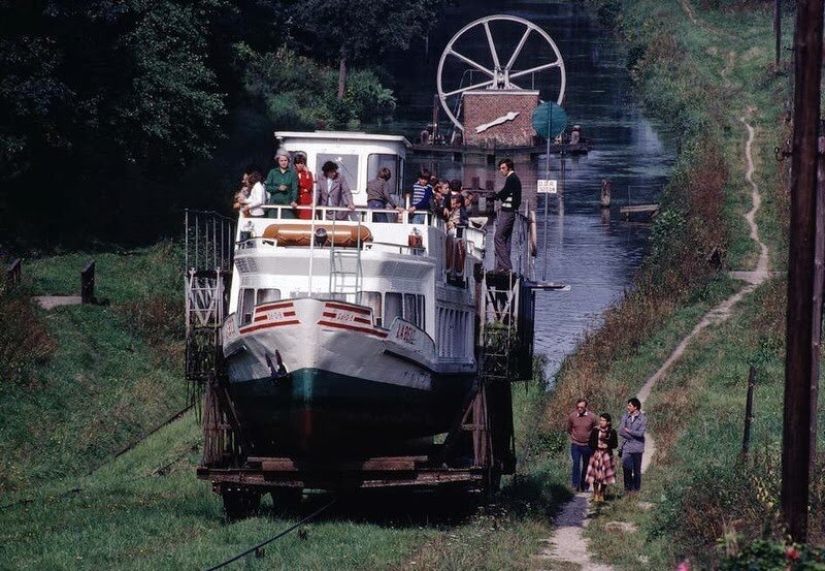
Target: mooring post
{"points": [[14, 272], [746, 439], [87, 283], [605, 196]]}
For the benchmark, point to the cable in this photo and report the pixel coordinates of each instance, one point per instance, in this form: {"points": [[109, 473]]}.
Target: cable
{"points": [[271, 539]]}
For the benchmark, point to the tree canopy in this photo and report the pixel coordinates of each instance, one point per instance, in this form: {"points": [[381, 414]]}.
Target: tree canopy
{"points": [[353, 31], [107, 106]]}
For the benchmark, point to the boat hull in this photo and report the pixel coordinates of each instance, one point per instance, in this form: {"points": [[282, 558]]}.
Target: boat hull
{"points": [[312, 376], [313, 411]]}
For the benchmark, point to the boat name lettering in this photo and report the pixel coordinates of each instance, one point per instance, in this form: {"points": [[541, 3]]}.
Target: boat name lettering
{"points": [[405, 333], [229, 329], [339, 315]]}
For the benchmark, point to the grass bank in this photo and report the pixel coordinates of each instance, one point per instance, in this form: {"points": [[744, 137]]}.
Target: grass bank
{"points": [[708, 68], [81, 382]]}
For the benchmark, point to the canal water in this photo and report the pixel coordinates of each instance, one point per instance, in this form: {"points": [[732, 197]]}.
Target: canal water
{"points": [[594, 251]]}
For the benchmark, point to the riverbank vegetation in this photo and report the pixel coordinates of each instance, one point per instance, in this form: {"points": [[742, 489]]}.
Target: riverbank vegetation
{"points": [[708, 69]]}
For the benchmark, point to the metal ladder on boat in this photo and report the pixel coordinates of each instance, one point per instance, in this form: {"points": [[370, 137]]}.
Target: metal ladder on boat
{"points": [[345, 273]]}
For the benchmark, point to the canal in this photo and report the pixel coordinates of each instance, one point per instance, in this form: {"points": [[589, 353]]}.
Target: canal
{"points": [[593, 251]]}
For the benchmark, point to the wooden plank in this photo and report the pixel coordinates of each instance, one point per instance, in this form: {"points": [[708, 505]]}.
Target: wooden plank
{"points": [[386, 463], [639, 208]]}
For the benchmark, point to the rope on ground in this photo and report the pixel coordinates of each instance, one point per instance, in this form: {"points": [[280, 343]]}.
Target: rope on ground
{"points": [[234, 558], [129, 447]]}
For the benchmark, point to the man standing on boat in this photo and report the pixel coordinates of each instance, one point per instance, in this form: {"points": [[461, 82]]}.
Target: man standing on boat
{"points": [[510, 197], [333, 190]]}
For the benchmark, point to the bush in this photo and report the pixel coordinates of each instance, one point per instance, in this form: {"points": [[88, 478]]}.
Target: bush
{"points": [[775, 556], [299, 93], [24, 340]]}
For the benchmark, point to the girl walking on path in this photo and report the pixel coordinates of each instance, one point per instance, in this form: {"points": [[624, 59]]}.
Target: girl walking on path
{"points": [[601, 470]]}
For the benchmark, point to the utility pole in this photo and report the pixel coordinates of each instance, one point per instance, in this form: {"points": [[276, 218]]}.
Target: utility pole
{"points": [[803, 315]]}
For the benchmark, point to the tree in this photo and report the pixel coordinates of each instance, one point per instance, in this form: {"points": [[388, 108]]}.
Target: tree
{"points": [[96, 93], [358, 31]]}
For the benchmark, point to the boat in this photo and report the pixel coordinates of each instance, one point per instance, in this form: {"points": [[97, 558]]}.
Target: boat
{"points": [[350, 337]]}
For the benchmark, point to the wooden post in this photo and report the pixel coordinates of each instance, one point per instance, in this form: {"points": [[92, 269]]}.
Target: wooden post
{"points": [[746, 439], [14, 272], [801, 368], [777, 28], [87, 283], [605, 197]]}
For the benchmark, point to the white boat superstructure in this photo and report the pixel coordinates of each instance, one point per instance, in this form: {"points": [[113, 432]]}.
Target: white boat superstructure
{"points": [[350, 330]]}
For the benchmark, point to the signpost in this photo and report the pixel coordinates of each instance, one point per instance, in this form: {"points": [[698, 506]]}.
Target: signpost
{"points": [[546, 186], [549, 121]]}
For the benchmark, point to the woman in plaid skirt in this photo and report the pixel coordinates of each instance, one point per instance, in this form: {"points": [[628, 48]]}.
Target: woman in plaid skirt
{"points": [[602, 469]]}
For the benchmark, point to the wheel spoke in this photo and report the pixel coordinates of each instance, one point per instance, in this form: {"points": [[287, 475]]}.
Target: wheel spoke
{"points": [[538, 68], [492, 45], [518, 49], [468, 88], [468, 61]]}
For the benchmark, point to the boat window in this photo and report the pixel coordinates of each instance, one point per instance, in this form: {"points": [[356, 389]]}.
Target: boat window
{"points": [[393, 162], [268, 294], [414, 309], [247, 304], [372, 299], [392, 307], [347, 167]]}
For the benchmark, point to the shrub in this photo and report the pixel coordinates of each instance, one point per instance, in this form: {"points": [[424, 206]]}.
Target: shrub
{"points": [[775, 556], [24, 339], [300, 93]]}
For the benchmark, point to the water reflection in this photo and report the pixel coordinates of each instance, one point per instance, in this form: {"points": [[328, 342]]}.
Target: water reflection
{"points": [[592, 250]]}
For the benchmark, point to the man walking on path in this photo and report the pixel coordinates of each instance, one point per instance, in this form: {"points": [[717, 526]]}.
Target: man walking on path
{"points": [[579, 425], [632, 432], [510, 197]]}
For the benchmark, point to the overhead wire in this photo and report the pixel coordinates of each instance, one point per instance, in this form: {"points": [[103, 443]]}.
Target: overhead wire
{"points": [[293, 527]]}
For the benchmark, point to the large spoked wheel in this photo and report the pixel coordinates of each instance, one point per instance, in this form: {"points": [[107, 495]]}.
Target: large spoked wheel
{"points": [[499, 52]]}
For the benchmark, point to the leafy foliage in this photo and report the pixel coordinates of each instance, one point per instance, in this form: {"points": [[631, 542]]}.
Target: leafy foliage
{"points": [[354, 31], [299, 93]]}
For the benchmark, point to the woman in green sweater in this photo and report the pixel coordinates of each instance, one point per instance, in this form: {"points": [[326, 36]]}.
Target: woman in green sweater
{"points": [[282, 185]]}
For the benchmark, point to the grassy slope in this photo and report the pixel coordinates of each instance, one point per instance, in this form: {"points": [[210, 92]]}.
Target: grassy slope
{"points": [[114, 373]]}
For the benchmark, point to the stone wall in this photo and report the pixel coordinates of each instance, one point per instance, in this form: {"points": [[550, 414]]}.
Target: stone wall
{"points": [[499, 118]]}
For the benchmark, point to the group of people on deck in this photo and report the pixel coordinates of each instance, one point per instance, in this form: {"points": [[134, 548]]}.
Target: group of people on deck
{"points": [[593, 441], [292, 189]]}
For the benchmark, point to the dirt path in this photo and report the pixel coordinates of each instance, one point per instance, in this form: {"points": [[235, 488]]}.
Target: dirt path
{"points": [[567, 544]]}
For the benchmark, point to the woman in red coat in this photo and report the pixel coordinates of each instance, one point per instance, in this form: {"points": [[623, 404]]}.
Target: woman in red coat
{"points": [[305, 186]]}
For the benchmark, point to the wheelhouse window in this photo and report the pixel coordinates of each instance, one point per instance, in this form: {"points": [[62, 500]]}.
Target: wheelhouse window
{"points": [[414, 309], [247, 305], [392, 308], [265, 295]]}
